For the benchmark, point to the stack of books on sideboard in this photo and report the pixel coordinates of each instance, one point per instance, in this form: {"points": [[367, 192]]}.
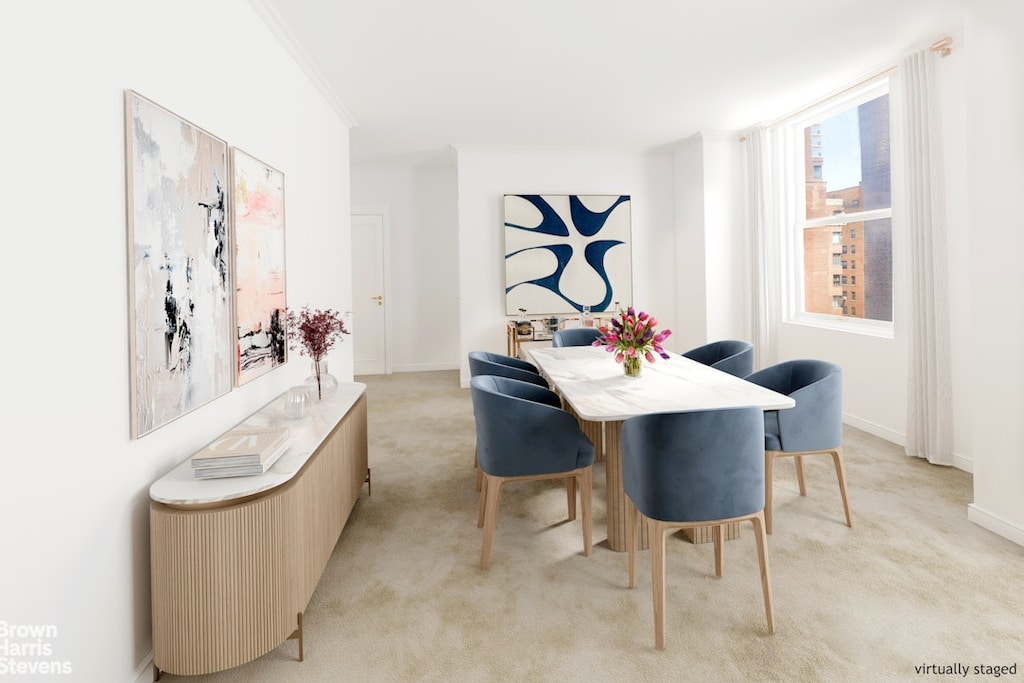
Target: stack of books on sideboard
{"points": [[241, 452]]}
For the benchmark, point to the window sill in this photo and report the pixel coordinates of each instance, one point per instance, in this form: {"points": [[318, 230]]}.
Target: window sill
{"points": [[838, 323]]}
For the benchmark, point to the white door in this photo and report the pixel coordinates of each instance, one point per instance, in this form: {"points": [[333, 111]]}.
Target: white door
{"points": [[369, 308]]}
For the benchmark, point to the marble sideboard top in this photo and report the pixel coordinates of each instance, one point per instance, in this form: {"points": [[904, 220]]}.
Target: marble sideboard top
{"points": [[180, 487], [594, 384]]}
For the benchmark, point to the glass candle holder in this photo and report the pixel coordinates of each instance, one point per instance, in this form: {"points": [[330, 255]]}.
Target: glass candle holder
{"points": [[295, 402]]}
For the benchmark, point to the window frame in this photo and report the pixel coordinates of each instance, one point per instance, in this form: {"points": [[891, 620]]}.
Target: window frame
{"points": [[793, 239]]}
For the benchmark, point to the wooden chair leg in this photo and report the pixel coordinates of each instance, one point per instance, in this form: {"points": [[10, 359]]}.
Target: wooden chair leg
{"points": [[837, 458], [632, 531], [492, 487], [483, 502], [717, 533], [586, 488], [479, 472], [656, 539], [769, 462], [762, 558], [570, 493], [800, 475]]}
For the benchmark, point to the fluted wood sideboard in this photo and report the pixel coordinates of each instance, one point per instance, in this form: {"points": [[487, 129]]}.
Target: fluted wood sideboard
{"points": [[235, 561]]}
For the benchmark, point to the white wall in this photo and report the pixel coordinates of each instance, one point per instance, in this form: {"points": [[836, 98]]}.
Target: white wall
{"points": [[74, 491], [485, 175], [691, 265], [421, 201], [730, 313], [995, 163], [713, 261]]}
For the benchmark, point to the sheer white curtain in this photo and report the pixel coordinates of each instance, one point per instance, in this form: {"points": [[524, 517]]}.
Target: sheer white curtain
{"points": [[771, 167], [929, 380]]}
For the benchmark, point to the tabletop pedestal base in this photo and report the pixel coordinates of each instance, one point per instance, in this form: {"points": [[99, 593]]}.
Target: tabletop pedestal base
{"points": [[705, 534], [618, 502]]}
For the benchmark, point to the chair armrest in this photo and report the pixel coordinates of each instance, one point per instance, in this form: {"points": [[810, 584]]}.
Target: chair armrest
{"points": [[816, 421]]}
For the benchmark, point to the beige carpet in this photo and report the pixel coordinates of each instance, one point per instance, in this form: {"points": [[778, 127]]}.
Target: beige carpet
{"points": [[912, 584]]}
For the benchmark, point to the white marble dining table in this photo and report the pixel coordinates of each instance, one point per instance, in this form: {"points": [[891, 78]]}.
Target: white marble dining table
{"points": [[596, 390]]}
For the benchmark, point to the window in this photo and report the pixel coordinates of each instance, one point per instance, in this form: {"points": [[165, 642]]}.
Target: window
{"points": [[835, 281], [848, 141], [853, 295]]}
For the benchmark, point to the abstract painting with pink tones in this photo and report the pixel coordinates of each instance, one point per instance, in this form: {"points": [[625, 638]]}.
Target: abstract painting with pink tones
{"points": [[179, 271], [257, 202]]}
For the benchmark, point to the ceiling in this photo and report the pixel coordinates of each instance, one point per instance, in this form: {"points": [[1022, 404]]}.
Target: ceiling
{"points": [[415, 77]]}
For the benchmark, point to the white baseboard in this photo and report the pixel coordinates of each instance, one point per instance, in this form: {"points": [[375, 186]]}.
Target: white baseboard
{"points": [[959, 461], [877, 430], [995, 524], [963, 463], [144, 672], [425, 367]]}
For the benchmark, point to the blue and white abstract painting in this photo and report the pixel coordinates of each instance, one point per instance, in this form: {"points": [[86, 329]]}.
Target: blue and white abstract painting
{"points": [[567, 251]]}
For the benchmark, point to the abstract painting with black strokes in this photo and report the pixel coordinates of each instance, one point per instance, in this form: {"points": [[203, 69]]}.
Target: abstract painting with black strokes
{"points": [[181, 340], [257, 210], [564, 252]]}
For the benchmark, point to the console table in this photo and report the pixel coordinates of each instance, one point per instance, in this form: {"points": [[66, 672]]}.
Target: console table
{"points": [[235, 561], [540, 330]]}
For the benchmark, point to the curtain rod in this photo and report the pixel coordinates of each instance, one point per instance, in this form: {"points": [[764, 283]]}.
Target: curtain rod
{"points": [[822, 100], [943, 47]]}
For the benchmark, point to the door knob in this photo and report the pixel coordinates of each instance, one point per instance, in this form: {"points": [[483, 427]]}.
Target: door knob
{"points": [[379, 299]]}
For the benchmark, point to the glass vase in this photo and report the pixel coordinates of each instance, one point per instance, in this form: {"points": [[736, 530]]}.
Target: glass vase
{"points": [[586, 320], [631, 366], [322, 384], [295, 401]]}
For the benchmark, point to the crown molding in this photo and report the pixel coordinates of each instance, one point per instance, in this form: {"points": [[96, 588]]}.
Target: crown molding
{"points": [[624, 150], [277, 26]]}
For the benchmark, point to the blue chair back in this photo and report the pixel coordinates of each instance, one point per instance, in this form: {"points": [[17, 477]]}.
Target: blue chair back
{"points": [[695, 466], [488, 363], [728, 355], [575, 336], [521, 429], [816, 421]]}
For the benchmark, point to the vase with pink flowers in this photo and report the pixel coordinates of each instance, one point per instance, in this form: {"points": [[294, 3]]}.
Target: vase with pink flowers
{"points": [[633, 337]]}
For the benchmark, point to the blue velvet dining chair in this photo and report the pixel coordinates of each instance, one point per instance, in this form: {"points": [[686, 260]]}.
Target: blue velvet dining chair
{"points": [[522, 434], [575, 336], [693, 469], [489, 363], [728, 355], [813, 426], [500, 365]]}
